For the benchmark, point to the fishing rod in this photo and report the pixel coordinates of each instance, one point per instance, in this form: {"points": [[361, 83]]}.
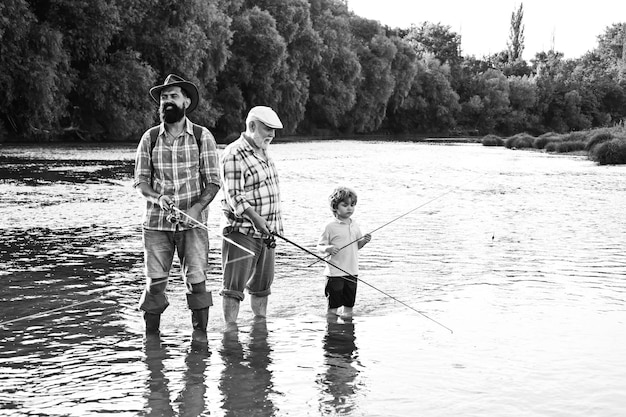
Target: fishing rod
{"points": [[400, 216], [174, 219], [355, 279]]}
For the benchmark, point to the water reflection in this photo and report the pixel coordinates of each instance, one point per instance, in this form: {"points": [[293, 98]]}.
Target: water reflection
{"points": [[340, 354], [246, 382], [191, 399]]}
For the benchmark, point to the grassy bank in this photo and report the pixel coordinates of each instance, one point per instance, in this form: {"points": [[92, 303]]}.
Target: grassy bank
{"points": [[606, 146]]}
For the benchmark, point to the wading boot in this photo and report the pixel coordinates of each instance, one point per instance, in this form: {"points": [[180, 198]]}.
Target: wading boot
{"points": [[153, 321], [152, 306], [199, 304]]}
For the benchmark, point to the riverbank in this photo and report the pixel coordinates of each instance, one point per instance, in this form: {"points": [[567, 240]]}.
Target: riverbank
{"points": [[605, 146]]}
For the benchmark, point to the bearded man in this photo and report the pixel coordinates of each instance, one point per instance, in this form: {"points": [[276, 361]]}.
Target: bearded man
{"points": [[177, 172]]}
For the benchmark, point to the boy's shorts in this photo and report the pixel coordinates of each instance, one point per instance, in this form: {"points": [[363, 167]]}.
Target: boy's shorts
{"points": [[244, 271], [340, 291]]}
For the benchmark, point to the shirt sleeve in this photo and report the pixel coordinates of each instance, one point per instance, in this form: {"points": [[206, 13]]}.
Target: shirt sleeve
{"points": [[143, 169], [209, 170], [233, 184], [324, 241]]}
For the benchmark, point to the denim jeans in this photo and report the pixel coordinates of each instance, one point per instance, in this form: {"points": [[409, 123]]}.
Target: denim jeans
{"points": [[192, 246]]}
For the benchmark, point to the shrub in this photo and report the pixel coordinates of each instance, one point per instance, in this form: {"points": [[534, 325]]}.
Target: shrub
{"points": [[519, 141], [492, 140], [612, 152], [575, 137], [543, 140], [572, 146], [552, 146], [599, 138]]}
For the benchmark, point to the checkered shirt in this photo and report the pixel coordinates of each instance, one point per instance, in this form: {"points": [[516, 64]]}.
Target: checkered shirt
{"points": [[180, 171], [249, 181]]}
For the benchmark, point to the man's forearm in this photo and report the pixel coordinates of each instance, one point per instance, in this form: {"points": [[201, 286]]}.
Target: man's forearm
{"points": [[208, 194], [148, 192]]}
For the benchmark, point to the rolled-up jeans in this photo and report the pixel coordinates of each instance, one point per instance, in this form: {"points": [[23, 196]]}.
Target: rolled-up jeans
{"points": [[192, 247], [243, 271]]}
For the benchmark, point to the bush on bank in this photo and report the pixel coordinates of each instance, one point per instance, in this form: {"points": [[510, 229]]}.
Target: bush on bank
{"points": [[606, 146]]}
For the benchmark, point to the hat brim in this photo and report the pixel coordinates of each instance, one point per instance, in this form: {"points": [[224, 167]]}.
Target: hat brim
{"points": [[190, 89]]}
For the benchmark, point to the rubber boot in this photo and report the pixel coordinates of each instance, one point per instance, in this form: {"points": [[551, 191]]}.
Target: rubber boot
{"points": [[152, 306], [153, 321], [199, 304], [200, 319]]}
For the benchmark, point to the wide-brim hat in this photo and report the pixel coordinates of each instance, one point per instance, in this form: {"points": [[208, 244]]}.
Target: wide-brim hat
{"points": [[265, 115], [174, 80]]}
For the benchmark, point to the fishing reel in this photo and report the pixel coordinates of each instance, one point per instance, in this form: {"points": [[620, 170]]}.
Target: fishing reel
{"points": [[174, 217], [270, 241]]}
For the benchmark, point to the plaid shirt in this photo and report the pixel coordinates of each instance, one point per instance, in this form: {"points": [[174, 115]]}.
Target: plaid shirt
{"points": [[249, 181], [180, 171]]}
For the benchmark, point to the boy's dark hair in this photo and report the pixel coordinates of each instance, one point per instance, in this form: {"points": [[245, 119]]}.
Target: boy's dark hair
{"points": [[341, 194]]}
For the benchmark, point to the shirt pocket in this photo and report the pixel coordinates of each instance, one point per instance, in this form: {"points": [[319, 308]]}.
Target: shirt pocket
{"points": [[189, 162], [255, 178]]}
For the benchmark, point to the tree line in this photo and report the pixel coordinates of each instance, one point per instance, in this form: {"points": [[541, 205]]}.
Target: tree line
{"points": [[73, 68]]}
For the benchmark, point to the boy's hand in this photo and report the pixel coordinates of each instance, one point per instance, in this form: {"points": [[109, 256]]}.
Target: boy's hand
{"points": [[332, 250], [367, 238]]}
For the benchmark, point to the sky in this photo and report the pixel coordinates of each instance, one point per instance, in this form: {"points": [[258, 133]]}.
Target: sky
{"points": [[567, 26]]}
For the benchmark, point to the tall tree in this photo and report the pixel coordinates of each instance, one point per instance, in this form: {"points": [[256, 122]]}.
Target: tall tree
{"points": [[334, 80], [376, 53], [35, 73], [303, 46], [515, 45], [258, 54]]}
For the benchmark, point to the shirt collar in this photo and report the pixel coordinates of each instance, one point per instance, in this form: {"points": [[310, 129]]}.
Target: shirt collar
{"points": [[188, 127]]}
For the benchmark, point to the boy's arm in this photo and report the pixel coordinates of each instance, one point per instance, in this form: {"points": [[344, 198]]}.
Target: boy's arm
{"points": [[323, 243], [364, 240]]}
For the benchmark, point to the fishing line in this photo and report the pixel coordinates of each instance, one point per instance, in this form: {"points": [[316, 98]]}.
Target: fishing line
{"points": [[402, 215], [248, 251], [54, 310], [352, 277], [177, 210]]}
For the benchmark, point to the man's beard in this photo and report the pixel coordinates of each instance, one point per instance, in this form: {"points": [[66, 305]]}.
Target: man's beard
{"points": [[171, 113]]}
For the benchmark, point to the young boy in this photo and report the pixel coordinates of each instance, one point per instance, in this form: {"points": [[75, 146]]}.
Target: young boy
{"points": [[341, 239]]}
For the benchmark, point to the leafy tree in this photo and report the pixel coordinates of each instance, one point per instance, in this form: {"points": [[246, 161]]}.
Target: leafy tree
{"points": [[404, 70], [522, 99], [432, 105], [515, 45], [258, 54], [334, 79], [303, 46], [489, 103], [35, 75], [437, 40], [376, 53], [190, 38]]}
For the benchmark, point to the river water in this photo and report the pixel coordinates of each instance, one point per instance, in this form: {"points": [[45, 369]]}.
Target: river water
{"points": [[519, 253]]}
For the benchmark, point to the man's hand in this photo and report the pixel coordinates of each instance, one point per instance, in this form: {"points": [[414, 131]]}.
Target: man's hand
{"points": [[195, 213], [260, 224], [165, 202]]}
